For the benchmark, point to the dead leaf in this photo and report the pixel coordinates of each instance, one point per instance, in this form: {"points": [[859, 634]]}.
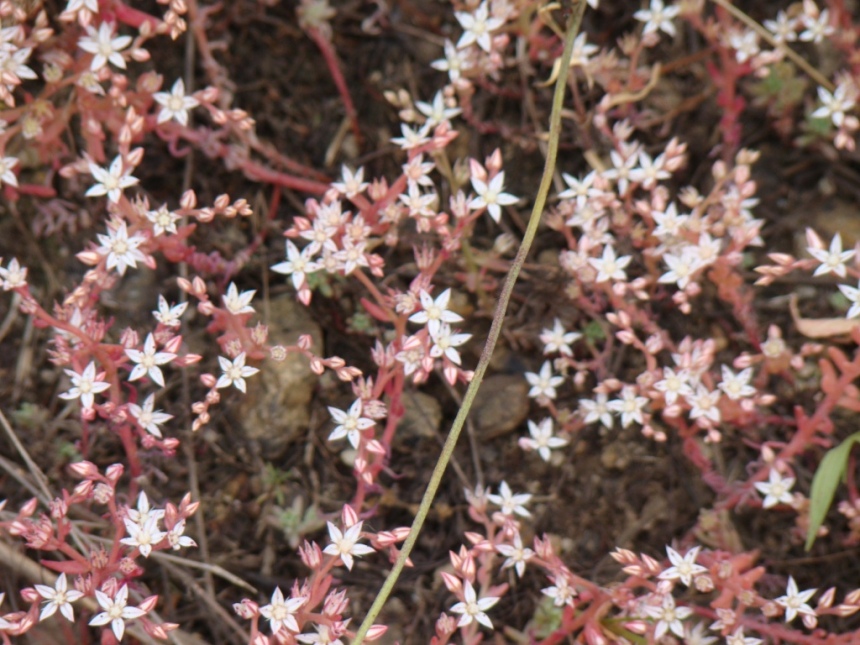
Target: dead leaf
{"points": [[820, 327]]}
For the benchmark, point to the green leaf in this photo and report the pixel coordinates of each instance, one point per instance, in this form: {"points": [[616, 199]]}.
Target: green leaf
{"points": [[830, 471]]}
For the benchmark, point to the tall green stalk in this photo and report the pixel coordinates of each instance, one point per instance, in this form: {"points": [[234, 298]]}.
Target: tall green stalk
{"points": [[572, 28]]}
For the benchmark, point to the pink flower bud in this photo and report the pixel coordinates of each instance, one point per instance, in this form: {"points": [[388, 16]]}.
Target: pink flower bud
{"points": [[349, 516], [206, 308], [83, 490], [30, 595], [84, 469], [114, 472], [260, 639], [188, 199], [311, 555], [375, 631], [90, 258], [208, 380], [317, 366], [246, 609], [454, 584]]}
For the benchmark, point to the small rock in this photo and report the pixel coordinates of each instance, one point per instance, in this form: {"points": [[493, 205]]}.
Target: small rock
{"points": [[501, 406], [276, 410], [422, 419]]}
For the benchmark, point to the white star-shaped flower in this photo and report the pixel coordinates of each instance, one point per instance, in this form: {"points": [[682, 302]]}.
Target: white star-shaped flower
{"points": [[85, 386], [280, 612], [299, 263], [148, 418], [777, 490], [121, 250], [516, 555], [795, 602], [477, 27], [143, 536], [658, 18], [148, 361], [163, 220], [235, 372], [558, 340], [472, 608], [445, 343], [345, 545], [510, 504], [110, 182], [167, 314], [7, 175], [492, 196], [238, 303], [58, 597], [668, 617], [105, 47], [175, 104], [435, 312], [542, 439], [610, 267], [350, 424], [832, 260], [629, 406], [543, 383], [683, 567], [597, 410], [853, 294], [116, 611], [737, 386], [13, 276]]}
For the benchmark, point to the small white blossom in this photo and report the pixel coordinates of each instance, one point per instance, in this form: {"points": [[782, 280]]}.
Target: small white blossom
{"points": [[738, 638], [445, 343], [105, 47], [13, 276], [510, 504], [351, 184], [144, 512], [516, 555], [683, 567], [455, 62], [561, 592], [148, 418], [85, 386], [681, 267], [298, 263], [542, 439], [658, 17], [668, 617], [163, 220], [832, 260], [148, 361], [784, 30], [7, 175], [558, 340], [111, 181], [58, 597], [737, 386], [853, 294], [544, 383], [437, 112], [834, 106], [795, 602], [674, 384], [703, 403], [143, 536], [472, 608], [777, 490], [116, 611], [817, 27], [477, 27], [350, 424], [345, 545], [280, 612], [435, 312], [176, 539], [610, 267], [235, 372], [238, 303], [411, 138], [121, 250], [167, 314], [597, 410], [629, 406], [492, 196], [175, 104]]}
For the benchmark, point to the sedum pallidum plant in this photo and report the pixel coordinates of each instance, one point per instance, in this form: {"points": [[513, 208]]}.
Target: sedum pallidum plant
{"points": [[660, 329]]}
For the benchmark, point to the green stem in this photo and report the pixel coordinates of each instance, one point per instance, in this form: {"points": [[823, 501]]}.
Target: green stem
{"points": [[574, 20]]}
